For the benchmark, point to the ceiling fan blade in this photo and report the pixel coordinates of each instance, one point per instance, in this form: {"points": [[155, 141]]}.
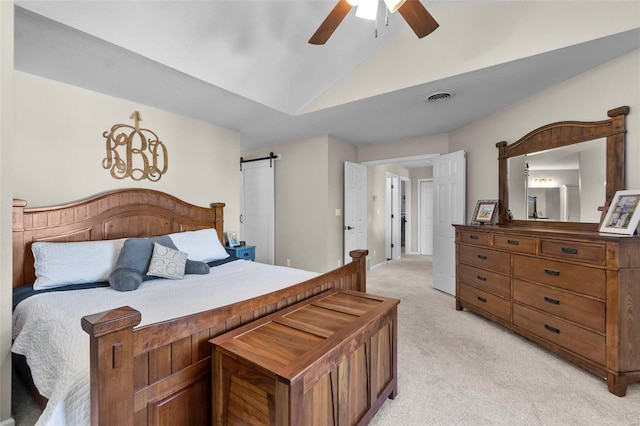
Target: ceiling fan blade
{"points": [[420, 21], [331, 22]]}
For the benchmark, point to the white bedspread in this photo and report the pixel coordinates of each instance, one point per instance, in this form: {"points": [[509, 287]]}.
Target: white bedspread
{"points": [[47, 330]]}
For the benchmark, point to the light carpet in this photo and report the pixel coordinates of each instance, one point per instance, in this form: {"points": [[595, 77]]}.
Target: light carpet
{"points": [[456, 368]]}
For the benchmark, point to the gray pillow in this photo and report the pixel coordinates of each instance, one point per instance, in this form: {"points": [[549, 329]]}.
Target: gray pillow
{"points": [[135, 257], [125, 279]]}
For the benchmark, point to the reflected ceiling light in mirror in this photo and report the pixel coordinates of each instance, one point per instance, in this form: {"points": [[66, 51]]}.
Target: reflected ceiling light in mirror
{"points": [[543, 181]]}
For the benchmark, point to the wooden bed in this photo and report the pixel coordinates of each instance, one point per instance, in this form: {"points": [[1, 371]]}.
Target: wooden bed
{"points": [[158, 373]]}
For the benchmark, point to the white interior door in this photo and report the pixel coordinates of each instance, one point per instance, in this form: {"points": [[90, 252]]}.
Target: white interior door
{"points": [[257, 221], [449, 182], [355, 208], [425, 216]]}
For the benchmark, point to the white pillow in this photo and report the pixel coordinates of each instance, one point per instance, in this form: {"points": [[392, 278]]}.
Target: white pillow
{"points": [[59, 264], [202, 245]]}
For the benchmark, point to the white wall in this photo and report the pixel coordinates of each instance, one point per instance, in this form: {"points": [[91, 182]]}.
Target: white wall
{"points": [[585, 97], [6, 269]]}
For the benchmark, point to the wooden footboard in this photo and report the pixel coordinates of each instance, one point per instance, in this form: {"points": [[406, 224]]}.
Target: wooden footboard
{"points": [[161, 373]]}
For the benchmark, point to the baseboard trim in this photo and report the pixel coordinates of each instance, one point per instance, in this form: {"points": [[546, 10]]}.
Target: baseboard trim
{"points": [[8, 422]]}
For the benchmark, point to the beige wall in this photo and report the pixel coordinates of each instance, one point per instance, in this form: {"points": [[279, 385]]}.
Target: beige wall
{"points": [[423, 145], [6, 136], [585, 97], [58, 134], [301, 178], [339, 152]]}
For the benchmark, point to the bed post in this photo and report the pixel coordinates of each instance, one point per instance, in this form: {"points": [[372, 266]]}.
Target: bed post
{"points": [[359, 257], [111, 357]]}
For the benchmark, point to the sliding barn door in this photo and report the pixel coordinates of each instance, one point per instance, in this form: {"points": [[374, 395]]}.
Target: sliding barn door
{"points": [[257, 220]]}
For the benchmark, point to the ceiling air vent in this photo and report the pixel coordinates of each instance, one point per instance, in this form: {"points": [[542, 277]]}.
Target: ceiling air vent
{"points": [[438, 97]]}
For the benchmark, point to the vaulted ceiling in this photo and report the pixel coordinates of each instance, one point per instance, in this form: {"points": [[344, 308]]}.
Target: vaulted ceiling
{"points": [[246, 65]]}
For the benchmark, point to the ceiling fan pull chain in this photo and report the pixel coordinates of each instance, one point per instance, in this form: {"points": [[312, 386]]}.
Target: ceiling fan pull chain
{"points": [[386, 17], [376, 26]]}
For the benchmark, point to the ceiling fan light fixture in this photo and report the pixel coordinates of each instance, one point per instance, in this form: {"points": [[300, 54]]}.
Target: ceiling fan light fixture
{"points": [[367, 9], [394, 5]]}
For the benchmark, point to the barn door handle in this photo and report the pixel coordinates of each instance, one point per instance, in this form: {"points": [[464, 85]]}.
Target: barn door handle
{"points": [[241, 218]]}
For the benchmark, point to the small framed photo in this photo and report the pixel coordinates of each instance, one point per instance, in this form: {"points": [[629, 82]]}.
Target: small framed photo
{"points": [[485, 212], [623, 214], [231, 239]]}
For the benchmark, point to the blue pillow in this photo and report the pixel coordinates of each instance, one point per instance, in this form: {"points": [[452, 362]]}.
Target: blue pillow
{"points": [[133, 263]]}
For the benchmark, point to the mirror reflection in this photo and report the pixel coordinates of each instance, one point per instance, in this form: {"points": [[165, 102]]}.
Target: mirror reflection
{"points": [[565, 184]]}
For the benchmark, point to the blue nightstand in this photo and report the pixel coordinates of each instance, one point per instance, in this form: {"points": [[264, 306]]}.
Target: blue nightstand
{"points": [[242, 252]]}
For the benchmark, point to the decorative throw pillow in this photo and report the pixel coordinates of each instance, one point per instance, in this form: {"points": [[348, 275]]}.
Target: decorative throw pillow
{"points": [[202, 245], [135, 257], [167, 262]]}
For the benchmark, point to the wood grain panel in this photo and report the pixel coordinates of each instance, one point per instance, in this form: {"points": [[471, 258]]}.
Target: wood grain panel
{"points": [[561, 274], [310, 379], [577, 339], [493, 260], [486, 301], [581, 310], [485, 280]]}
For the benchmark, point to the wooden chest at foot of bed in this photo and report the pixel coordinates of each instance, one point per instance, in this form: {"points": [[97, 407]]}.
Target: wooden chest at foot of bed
{"points": [[326, 361]]}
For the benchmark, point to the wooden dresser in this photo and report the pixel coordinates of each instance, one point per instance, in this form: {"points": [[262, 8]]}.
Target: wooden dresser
{"points": [[330, 360], [576, 293]]}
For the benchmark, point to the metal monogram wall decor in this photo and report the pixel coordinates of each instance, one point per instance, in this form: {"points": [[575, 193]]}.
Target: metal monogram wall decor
{"points": [[134, 152]]}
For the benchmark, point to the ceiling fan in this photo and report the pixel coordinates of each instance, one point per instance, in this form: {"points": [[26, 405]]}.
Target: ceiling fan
{"points": [[420, 21]]}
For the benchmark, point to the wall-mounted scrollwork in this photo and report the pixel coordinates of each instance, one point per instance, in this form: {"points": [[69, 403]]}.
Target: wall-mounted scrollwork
{"points": [[134, 152]]}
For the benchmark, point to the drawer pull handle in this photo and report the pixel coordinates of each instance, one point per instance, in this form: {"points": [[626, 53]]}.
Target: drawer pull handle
{"points": [[552, 329], [482, 256], [513, 242], [473, 237], [550, 300], [552, 272], [482, 299], [481, 278], [569, 250]]}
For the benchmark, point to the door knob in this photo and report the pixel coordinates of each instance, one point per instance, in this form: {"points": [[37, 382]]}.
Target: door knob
{"points": [[348, 228]]}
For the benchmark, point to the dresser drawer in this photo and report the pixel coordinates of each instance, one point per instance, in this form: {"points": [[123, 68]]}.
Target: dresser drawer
{"points": [[486, 301], [581, 279], [589, 344], [588, 312], [515, 243], [476, 238], [493, 260], [571, 250], [485, 280]]}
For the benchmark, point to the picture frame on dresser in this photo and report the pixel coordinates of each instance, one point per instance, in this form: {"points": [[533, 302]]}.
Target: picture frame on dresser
{"points": [[485, 212], [231, 239], [623, 214]]}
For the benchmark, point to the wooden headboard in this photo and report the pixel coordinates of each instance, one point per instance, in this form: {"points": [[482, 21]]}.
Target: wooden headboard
{"points": [[115, 214]]}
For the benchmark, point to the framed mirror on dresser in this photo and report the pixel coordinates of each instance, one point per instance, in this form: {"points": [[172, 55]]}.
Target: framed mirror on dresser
{"points": [[544, 271]]}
